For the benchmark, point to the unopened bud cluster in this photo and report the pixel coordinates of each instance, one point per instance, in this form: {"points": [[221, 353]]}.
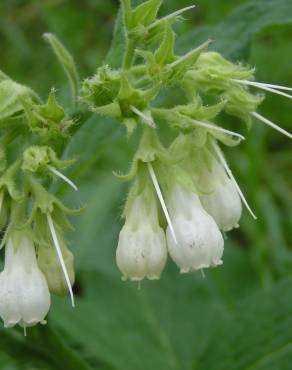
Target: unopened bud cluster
{"points": [[184, 195]]}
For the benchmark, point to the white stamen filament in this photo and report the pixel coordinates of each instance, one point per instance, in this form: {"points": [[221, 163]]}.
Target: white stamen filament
{"points": [[216, 128], [264, 87], [59, 254], [261, 84], [161, 200], [230, 174], [63, 177], [174, 14], [146, 119], [271, 124]]}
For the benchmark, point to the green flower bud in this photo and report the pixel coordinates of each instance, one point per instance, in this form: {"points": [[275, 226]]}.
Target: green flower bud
{"points": [[50, 266], [41, 158], [213, 73], [47, 119]]}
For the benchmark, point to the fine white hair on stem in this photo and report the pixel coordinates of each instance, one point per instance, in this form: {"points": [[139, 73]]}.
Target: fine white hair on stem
{"points": [[261, 84], [174, 14], [161, 200], [146, 119], [271, 124], [230, 174], [217, 128], [60, 256], [63, 177], [265, 87]]}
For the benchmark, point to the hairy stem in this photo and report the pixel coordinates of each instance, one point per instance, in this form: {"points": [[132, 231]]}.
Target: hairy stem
{"points": [[129, 54]]}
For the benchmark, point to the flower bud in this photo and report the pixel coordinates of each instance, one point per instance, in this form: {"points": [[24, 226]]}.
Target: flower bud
{"points": [[221, 200], [141, 249], [199, 242], [50, 266], [24, 294]]}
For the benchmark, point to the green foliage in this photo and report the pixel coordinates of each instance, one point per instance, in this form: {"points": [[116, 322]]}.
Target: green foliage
{"points": [[66, 61], [226, 321]]}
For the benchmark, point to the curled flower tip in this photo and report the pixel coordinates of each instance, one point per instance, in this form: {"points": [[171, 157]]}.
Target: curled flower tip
{"points": [[161, 200], [63, 177], [220, 129], [60, 256], [232, 178], [265, 87], [271, 124], [146, 119]]}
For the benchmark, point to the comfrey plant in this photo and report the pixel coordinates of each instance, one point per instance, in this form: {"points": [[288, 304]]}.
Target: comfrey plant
{"points": [[183, 195], [197, 196]]}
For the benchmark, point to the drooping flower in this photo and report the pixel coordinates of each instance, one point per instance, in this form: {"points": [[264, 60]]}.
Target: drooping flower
{"points": [[220, 199], [24, 293], [141, 251], [199, 242]]}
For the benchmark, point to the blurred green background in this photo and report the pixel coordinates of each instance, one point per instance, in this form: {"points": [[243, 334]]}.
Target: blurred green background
{"points": [[240, 316]]}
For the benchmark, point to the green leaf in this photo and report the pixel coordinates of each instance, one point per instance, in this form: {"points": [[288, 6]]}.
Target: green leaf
{"points": [[67, 62], [11, 96], [255, 336], [232, 37], [162, 325]]}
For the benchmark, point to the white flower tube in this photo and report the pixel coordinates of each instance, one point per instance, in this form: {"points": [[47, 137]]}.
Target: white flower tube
{"points": [[141, 250], [24, 293], [199, 241], [221, 200]]}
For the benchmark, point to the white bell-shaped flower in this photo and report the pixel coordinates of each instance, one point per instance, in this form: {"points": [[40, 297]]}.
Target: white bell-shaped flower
{"points": [[24, 293], [221, 199], [199, 243], [141, 250]]}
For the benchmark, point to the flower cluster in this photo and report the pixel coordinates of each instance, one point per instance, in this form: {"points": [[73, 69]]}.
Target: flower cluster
{"points": [[183, 196], [197, 197], [37, 259]]}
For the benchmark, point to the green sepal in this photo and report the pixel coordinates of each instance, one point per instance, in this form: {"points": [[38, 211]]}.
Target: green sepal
{"points": [[47, 119], [197, 111], [241, 103], [165, 53], [8, 181], [150, 149], [213, 73], [102, 88], [44, 203], [109, 110], [146, 13], [143, 15]]}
